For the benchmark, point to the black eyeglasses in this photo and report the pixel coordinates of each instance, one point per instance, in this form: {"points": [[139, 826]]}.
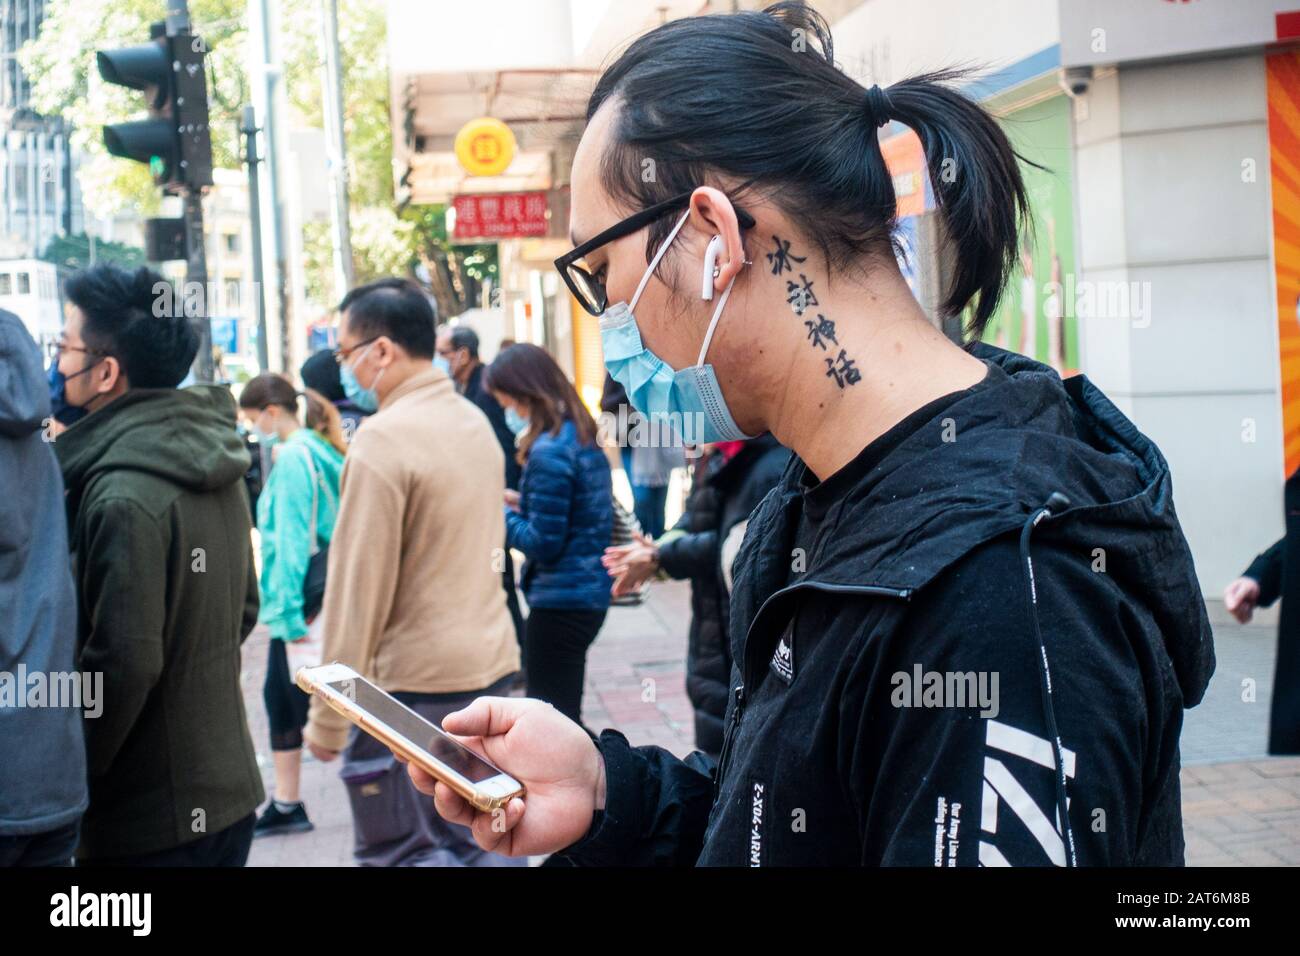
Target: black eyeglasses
{"points": [[342, 355], [55, 348], [588, 287]]}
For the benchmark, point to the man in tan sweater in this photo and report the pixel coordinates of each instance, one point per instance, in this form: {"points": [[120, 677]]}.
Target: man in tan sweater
{"points": [[413, 599]]}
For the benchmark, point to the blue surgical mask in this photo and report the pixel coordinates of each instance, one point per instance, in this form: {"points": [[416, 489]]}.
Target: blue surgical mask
{"points": [[441, 363], [516, 422], [366, 399], [654, 389], [60, 410]]}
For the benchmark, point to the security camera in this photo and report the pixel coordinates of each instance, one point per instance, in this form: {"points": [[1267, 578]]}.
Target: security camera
{"points": [[1075, 80]]}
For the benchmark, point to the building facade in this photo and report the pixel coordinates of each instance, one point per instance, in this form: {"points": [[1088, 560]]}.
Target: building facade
{"points": [[39, 196]]}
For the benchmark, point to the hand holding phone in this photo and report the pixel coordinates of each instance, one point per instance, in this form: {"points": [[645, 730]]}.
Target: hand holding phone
{"points": [[411, 737], [549, 754]]}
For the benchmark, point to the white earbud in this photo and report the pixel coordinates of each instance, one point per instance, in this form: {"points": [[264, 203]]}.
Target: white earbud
{"points": [[710, 267]]}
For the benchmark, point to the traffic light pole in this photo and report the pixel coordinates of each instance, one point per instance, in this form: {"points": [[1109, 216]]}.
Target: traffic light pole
{"points": [[338, 150], [174, 141], [250, 131], [196, 259], [178, 17], [196, 278]]}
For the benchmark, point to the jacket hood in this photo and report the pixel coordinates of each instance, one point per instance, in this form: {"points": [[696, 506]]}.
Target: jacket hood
{"points": [[995, 457], [326, 460], [731, 471], [24, 391], [184, 436]]}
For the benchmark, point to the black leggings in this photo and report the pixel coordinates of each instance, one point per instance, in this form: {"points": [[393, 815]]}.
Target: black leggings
{"points": [[555, 655], [286, 703]]}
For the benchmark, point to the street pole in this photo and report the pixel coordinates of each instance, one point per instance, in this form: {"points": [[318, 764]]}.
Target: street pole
{"points": [[338, 153], [267, 69], [250, 131], [196, 283], [196, 260], [178, 17]]}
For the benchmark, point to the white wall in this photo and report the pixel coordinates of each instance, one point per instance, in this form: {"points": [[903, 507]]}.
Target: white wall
{"points": [[1116, 31], [1161, 201], [446, 37], [884, 41]]}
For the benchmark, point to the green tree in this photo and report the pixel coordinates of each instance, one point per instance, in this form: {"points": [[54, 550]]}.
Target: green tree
{"points": [[456, 272], [73, 252], [61, 63]]}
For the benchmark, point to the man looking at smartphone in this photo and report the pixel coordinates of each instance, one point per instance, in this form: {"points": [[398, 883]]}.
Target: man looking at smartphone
{"points": [[413, 597], [949, 516]]}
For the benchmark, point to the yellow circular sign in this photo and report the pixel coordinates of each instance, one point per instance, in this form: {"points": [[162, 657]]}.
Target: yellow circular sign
{"points": [[485, 147]]}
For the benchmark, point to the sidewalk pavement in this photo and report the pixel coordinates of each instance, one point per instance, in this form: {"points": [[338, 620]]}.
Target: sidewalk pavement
{"points": [[1240, 807]]}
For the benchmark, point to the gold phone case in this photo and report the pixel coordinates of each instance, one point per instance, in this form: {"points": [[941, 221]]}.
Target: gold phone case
{"points": [[380, 732]]}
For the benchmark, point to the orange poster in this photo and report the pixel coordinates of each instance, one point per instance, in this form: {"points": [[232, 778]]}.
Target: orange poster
{"points": [[1284, 154]]}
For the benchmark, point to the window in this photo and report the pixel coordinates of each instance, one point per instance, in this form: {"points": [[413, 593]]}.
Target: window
{"points": [[6, 284], [232, 242], [24, 283]]}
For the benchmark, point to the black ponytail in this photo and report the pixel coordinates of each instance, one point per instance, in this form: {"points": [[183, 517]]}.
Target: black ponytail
{"points": [[977, 184], [756, 98]]}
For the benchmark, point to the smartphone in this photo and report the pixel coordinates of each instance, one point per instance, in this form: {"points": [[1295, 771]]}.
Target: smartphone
{"points": [[401, 729]]}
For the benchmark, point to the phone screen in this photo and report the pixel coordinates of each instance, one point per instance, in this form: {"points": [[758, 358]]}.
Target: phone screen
{"points": [[416, 729]]}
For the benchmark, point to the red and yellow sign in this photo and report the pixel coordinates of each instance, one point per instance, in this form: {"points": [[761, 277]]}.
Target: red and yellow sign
{"points": [[485, 146], [1284, 158], [500, 216]]}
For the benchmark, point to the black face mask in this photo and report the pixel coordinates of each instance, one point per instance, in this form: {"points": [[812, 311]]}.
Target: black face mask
{"points": [[64, 413]]}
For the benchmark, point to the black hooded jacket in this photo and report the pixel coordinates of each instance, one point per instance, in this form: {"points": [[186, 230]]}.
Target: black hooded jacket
{"points": [[723, 494], [896, 629]]}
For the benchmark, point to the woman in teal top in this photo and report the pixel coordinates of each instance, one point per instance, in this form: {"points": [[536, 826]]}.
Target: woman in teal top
{"points": [[300, 494]]}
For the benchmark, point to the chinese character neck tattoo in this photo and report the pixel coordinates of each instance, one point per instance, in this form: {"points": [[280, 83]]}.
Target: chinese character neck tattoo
{"points": [[800, 296]]}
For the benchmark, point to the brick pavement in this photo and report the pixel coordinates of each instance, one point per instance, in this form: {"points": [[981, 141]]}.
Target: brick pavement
{"points": [[1240, 806]]}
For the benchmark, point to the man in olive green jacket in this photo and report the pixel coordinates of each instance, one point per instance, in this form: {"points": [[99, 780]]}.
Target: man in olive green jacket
{"points": [[159, 525]]}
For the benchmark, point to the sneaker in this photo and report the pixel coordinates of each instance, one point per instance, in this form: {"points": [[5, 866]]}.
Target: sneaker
{"points": [[275, 821]]}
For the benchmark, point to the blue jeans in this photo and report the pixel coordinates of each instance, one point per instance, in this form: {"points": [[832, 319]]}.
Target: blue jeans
{"points": [[648, 504], [52, 848]]}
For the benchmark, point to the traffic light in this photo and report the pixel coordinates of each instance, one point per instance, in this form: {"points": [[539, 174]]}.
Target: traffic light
{"points": [[174, 140]]}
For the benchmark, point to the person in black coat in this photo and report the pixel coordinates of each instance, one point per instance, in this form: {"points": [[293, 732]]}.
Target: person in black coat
{"points": [[458, 348], [730, 480], [321, 373], [1272, 575]]}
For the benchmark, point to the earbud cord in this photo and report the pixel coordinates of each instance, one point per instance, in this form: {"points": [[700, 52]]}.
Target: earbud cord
{"points": [[713, 324], [722, 302], [655, 261]]}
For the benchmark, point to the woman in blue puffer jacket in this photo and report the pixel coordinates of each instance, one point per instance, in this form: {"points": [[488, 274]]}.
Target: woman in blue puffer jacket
{"points": [[561, 519]]}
